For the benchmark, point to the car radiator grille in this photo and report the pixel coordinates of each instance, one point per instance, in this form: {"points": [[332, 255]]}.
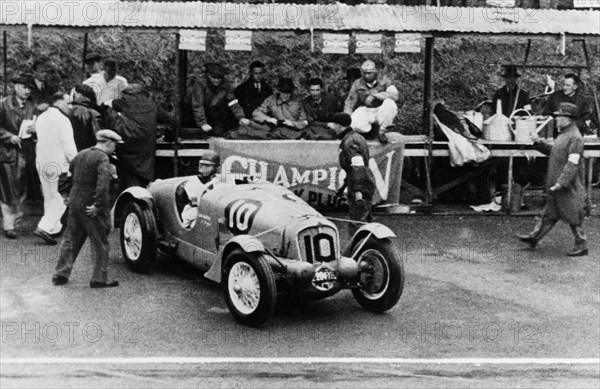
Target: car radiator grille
{"points": [[318, 244]]}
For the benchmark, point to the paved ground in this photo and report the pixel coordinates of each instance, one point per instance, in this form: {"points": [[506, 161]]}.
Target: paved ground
{"points": [[472, 291]]}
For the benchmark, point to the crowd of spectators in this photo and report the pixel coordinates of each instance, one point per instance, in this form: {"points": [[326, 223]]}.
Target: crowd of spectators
{"points": [[42, 129]]}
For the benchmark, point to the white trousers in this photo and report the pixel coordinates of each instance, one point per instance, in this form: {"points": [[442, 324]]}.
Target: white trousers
{"points": [[363, 117], [10, 214], [54, 204]]}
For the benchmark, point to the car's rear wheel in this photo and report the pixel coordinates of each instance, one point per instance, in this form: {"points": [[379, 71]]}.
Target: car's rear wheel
{"points": [[381, 275], [138, 237], [248, 284]]}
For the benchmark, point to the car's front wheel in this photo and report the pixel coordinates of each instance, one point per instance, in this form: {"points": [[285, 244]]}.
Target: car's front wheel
{"points": [[248, 284], [138, 237], [381, 275]]}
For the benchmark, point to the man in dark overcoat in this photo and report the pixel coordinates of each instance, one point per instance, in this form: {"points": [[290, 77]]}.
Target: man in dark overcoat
{"points": [[14, 110], [85, 117], [565, 189], [135, 117], [354, 159], [89, 211]]}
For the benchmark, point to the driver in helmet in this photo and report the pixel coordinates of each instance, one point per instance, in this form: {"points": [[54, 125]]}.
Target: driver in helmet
{"points": [[207, 174]]}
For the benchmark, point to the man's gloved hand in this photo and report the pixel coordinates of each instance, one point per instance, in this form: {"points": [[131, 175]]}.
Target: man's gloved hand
{"points": [[206, 127]]}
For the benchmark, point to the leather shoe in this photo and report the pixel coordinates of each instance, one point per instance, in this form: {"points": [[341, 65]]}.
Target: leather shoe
{"points": [[59, 280], [45, 236], [577, 252], [96, 284], [528, 239], [10, 234]]}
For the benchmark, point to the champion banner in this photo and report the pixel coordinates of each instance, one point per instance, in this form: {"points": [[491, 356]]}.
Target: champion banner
{"points": [[310, 168]]}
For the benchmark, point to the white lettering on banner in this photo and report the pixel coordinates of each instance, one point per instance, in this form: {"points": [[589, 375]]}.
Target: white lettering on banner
{"points": [[383, 186], [240, 167], [298, 178], [281, 177]]}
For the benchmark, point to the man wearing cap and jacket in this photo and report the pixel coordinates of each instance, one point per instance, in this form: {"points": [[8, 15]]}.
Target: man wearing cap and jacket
{"points": [[89, 210], [371, 100], [565, 185], [216, 110], [354, 159], [16, 121]]}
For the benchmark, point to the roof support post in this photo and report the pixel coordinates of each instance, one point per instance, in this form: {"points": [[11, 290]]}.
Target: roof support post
{"points": [[5, 59], [181, 72], [85, 49], [428, 117]]}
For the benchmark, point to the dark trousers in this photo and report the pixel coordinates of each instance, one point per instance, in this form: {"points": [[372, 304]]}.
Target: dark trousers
{"points": [[359, 210], [545, 225], [79, 227], [34, 187]]}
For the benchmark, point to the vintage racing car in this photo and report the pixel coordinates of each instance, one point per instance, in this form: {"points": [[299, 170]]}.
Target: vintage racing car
{"points": [[258, 240]]}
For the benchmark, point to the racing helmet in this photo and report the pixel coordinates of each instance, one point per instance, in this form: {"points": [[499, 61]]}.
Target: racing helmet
{"points": [[210, 157]]}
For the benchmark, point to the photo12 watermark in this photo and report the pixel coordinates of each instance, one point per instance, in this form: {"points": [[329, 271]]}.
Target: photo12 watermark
{"points": [[68, 332]]}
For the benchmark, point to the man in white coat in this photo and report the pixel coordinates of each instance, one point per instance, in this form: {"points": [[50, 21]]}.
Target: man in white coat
{"points": [[372, 100], [54, 152]]}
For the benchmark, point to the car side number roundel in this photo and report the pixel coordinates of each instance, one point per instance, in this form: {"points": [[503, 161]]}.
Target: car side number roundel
{"points": [[240, 214]]}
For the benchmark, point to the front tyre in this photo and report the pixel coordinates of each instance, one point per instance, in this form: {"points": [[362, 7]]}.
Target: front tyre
{"points": [[248, 284], [381, 275], [138, 237]]}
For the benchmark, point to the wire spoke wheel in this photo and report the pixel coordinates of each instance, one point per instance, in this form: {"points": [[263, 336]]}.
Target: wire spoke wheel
{"points": [[244, 288]]}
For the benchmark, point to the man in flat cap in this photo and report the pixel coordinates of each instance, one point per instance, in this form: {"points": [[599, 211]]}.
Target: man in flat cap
{"points": [[359, 181], [252, 92], [17, 115], [372, 100], [89, 210], [216, 110], [565, 185]]}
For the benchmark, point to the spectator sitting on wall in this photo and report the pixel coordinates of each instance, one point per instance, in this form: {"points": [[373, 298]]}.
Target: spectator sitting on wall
{"points": [[216, 110], [372, 100], [280, 116], [320, 108]]}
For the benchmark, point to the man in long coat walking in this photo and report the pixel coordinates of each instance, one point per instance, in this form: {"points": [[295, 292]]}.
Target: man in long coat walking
{"points": [[565, 187], [14, 110]]}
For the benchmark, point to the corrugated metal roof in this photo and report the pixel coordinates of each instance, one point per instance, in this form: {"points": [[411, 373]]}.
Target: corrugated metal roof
{"points": [[332, 17]]}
